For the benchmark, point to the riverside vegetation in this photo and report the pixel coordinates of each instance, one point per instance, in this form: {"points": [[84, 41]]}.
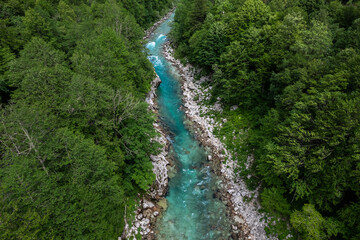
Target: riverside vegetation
{"points": [[75, 130], [287, 73]]}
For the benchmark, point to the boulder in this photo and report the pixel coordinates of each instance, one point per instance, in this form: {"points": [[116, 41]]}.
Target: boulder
{"points": [[191, 85], [239, 220], [163, 204], [233, 108], [217, 107], [147, 204]]}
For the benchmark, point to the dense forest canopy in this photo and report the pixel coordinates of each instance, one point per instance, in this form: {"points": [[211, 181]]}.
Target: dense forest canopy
{"points": [[75, 130], [293, 68]]}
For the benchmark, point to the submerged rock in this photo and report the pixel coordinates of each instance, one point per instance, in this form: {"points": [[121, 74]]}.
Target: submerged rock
{"points": [[163, 204], [172, 171]]}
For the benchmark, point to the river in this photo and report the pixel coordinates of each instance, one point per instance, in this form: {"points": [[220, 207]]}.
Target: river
{"points": [[193, 210]]}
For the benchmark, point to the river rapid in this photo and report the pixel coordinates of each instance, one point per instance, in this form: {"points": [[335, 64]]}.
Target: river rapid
{"points": [[193, 211]]}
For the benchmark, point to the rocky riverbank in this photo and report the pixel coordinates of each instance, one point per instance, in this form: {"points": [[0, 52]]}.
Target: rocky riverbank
{"points": [[150, 31], [247, 221], [151, 205], [154, 202]]}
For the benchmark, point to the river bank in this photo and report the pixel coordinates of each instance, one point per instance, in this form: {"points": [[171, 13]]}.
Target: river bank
{"points": [[153, 202], [247, 221], [150, 31], [193, 208]]}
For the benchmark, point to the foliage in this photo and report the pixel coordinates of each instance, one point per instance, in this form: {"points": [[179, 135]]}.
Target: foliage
{"points": [[292, 67], [75, 130], [312, 225], [147, 12]]}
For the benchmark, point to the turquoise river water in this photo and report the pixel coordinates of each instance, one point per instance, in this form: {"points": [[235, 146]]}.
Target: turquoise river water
{"points": [[193, 211]]}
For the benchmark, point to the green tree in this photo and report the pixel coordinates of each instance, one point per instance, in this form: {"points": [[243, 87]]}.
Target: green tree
{"points": [[37, 23], [75, 131], [292, 67], [250, 13], [197, 15], [312, 225], [208, 44]]}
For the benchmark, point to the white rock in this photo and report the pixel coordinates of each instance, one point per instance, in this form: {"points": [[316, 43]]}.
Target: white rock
{"points": [[239, 220], [144, 221], [217, 107], [147, 204], [191, 86], [233, 108]]}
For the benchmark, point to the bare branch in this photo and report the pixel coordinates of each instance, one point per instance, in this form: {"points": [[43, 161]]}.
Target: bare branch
{"points": [[32, 146]]}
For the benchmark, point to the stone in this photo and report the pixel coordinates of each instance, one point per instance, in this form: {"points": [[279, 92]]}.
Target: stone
{"points": [[217, 107], [163, 204], [147, 213], [172, 171], [238, 219], [144, 221], [156, 213], [191, 85], [233, 108], [147, 204]]}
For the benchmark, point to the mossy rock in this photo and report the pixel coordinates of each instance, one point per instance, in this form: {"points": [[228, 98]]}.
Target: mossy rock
{"points": [[163, 204]]}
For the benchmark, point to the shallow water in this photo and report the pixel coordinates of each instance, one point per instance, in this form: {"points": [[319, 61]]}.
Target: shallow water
{"points": [[193, 212]]}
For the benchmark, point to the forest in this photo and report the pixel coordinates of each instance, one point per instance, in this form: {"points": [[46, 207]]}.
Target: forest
{"points": [[287, 73], [75, 131]]}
